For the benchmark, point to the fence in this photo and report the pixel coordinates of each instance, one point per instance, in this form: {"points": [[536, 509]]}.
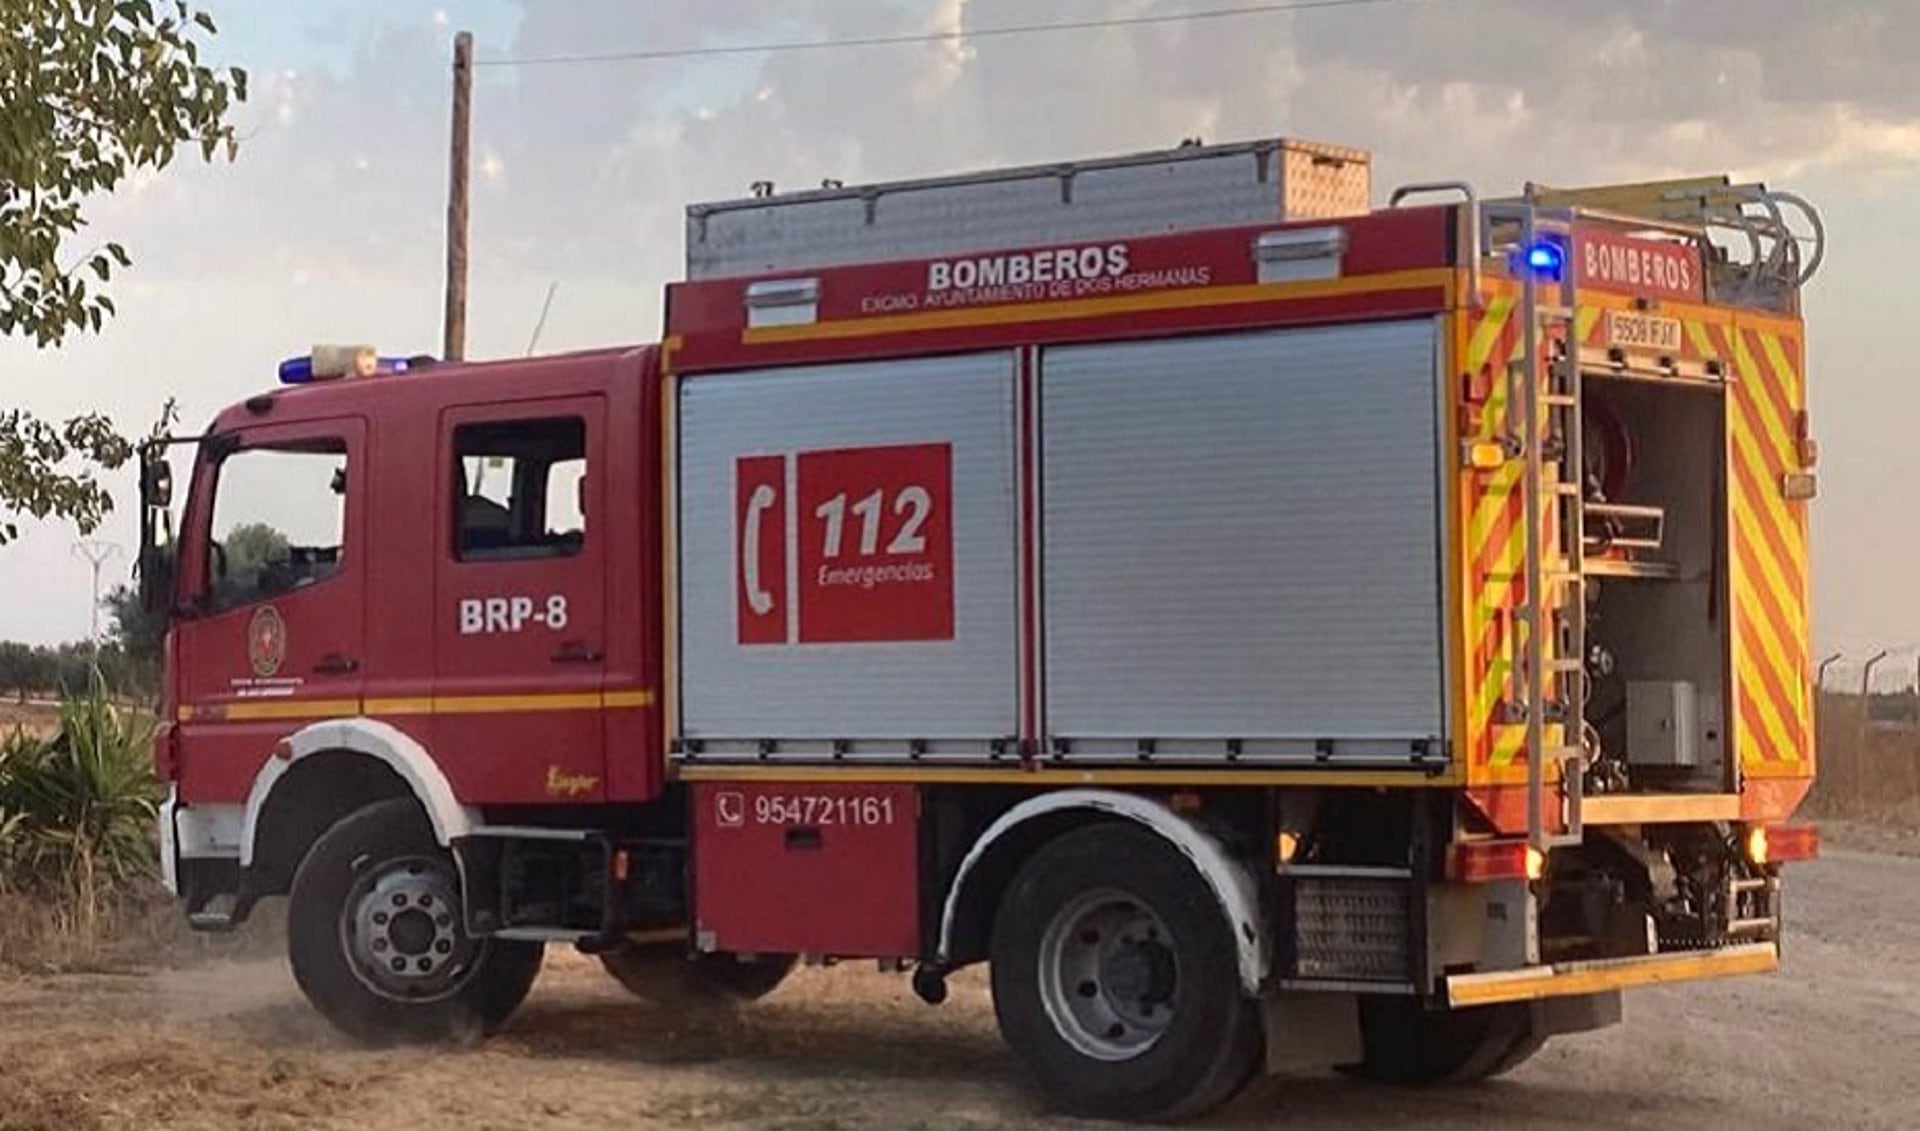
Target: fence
{"points": [[1869, 760]]}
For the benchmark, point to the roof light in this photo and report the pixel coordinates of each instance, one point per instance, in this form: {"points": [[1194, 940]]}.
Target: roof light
{"points": [[783, 302], [1545, 259], [326, 363], [1292, 255]]}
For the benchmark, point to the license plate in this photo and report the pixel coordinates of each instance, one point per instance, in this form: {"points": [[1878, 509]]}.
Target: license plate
{"points": [[1627, 329]]}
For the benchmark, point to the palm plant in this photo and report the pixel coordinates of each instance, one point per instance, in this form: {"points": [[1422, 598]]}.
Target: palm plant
{"points": [[77, 809]]}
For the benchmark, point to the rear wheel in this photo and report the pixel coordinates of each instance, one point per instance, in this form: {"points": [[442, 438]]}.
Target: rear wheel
{"points": [[1407, 1044], [667, 974], [377, 940], [1115, 979]]}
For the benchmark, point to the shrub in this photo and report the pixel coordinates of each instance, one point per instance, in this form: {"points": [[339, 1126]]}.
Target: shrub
{"points": [[77, 808]]}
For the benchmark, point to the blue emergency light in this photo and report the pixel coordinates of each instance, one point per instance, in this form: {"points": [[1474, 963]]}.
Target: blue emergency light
{"points": [[1546, 259], [300, 370]]}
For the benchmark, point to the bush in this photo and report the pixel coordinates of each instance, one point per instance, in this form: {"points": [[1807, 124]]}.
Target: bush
{"points": [[77, 809]]}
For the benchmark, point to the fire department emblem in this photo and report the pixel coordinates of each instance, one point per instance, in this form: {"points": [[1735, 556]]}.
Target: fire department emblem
{"points": [[266, 641]]}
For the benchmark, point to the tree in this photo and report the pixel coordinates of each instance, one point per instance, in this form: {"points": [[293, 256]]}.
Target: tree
{"points": [[135, 638], [91, 91], [252, 547]]}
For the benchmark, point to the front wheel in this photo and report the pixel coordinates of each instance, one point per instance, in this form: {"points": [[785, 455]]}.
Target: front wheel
{"points": [[1115, 979], [377, 939]]}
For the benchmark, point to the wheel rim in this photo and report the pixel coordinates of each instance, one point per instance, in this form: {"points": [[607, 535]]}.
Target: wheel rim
{"points": [[1109, 975], [400, 927]]}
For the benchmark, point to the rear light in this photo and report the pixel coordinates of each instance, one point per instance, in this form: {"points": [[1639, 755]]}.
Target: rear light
{"points": [[1484, 861], [1778, 844], [166, 758]]}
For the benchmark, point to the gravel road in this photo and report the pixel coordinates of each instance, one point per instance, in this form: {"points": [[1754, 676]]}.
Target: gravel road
{"points": [[1833, 1041]]}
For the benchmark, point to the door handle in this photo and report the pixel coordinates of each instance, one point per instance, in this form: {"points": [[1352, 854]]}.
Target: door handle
{"points": [[576, 652], [336, 663]]}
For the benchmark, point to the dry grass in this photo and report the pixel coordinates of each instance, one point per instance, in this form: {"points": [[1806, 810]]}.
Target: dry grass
{"points": [[35, 718], [1867, 774], [142, 930]]}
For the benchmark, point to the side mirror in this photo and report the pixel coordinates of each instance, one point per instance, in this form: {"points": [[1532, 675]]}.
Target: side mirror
{"points": [[156, 562], [156, 480]]}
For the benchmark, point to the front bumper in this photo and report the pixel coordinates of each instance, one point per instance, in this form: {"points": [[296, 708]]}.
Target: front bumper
{"points": [[1566, 979]]}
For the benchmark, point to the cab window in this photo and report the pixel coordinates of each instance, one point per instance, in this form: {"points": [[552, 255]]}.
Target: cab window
{"points": [[279, 522], [519, 489]]}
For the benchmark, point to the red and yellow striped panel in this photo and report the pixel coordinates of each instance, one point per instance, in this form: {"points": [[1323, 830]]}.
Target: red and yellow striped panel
{"points": [[1771, 722], [1773, 725], [1492, 561]]}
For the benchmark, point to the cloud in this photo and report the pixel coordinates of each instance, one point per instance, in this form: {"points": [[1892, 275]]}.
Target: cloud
{"points": [[605, 156]]}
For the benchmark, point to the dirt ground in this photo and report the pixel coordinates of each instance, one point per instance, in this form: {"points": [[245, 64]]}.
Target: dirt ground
{"points": [[1834, 1041]]}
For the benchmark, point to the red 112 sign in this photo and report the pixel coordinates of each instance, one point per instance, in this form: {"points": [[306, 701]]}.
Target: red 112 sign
{"points": [[845, 545]]}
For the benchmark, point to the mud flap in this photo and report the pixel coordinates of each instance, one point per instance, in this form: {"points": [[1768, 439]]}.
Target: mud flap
{"points": [[1310, 1031], [1558, 1016]]}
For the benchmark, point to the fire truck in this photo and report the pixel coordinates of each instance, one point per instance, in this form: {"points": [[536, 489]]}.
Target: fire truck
{"points": [[1271, 630]]}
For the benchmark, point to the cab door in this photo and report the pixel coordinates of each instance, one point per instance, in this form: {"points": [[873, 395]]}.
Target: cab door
{"points": [[519, 601], [270, 633]]}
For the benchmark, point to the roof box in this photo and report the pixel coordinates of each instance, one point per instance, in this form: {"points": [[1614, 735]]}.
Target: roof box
{"points": [[1173, 190]]}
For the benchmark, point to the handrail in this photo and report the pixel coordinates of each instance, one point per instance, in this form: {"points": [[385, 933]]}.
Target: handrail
{"points": [[1422, 188]]}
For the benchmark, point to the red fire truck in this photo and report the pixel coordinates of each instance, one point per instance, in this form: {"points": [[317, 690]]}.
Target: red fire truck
{"points": [[1271, 631]]}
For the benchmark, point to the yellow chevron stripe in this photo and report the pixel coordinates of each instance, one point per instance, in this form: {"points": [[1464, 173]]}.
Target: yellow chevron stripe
{"points": [[1770, 717], [1759, 400], [1771, 574], [1768, 648], [1488, 332], [1770, 509], [1785, 370], [1584, 320]]}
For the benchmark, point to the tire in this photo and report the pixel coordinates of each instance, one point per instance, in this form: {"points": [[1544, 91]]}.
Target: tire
{"points": [[1406, 1044], [1154, 1024], [668, 975], [340, 922]]}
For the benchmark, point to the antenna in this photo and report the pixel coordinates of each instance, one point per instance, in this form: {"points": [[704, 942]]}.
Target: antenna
{"points": [[541, 323]]}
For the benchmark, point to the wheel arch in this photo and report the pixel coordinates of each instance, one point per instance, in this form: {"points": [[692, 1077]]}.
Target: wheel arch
{"points": [[967, 910], [321, 773]]}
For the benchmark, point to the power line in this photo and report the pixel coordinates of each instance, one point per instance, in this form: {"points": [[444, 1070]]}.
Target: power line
{"points": [[934, 37]]}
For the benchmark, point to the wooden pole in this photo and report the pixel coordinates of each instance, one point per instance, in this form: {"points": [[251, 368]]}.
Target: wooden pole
{"points": [[454, 342]]}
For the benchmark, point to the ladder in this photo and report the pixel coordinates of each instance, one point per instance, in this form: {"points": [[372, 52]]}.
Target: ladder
{"points": [[1544, 391]]}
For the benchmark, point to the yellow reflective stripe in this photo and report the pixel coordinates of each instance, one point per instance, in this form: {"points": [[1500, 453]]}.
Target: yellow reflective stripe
{"points": [[485, 704], [420, 705], [246, 709], [1609, 974]]}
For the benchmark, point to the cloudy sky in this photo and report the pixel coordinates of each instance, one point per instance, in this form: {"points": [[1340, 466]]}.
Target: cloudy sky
{"points": [[329, 226]]}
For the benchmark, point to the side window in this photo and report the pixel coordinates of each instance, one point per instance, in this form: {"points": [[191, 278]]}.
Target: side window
{"points": [[279, 522], [519, 489]]}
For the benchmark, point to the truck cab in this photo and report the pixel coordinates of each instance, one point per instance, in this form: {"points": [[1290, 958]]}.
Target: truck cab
{"points": [[428, 561]]}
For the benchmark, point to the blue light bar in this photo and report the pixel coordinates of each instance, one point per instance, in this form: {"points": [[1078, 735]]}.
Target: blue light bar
{"points": [[299, 370], [1546, 259]]}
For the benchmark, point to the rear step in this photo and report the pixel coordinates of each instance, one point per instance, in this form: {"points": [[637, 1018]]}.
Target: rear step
{"points": [[220, 922]]}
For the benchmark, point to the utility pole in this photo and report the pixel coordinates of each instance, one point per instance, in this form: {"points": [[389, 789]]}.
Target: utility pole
{"points": [[96, 554], [454, 342]]}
